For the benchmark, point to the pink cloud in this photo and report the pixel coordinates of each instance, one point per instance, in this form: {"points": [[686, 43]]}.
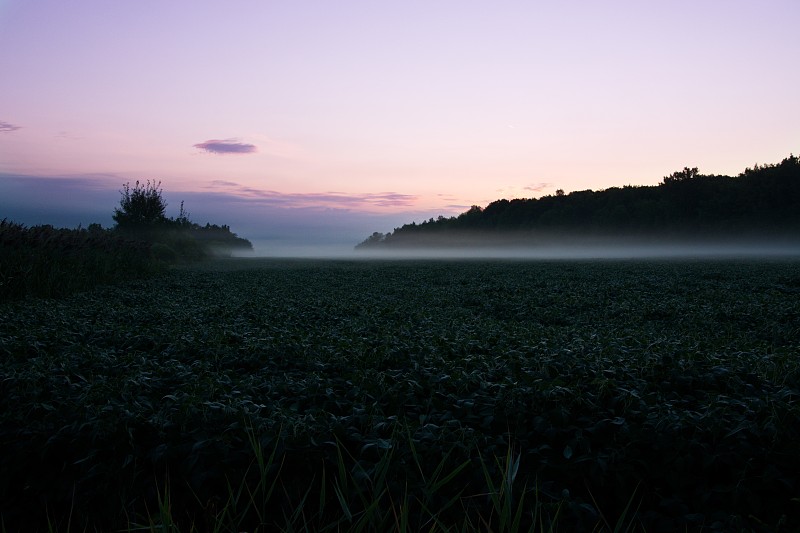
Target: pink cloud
{"points": [[325, 200], [226, 146], [5, 127], [223, 183], [537, 187]]}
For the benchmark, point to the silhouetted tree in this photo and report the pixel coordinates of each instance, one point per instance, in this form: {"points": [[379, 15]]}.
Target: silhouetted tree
{"points": [[682, 175], [141, 207], [183, 218], [374, 239]]}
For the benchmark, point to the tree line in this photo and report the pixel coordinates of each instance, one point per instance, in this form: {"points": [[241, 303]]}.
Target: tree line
{"points": [[44, 261], [763, 201]]}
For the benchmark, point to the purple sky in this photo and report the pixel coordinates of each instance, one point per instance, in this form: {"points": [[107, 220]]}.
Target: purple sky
{"points": [[309, 122]]}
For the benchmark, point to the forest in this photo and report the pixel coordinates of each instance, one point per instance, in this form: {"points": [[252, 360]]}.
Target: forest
{"points": [[761, 202]]}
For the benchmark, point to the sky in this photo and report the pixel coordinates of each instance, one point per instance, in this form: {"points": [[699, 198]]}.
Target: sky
{"points": [[310, 123]]}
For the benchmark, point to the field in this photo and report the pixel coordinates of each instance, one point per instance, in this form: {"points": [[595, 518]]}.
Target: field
{"points": [[408, 395]]}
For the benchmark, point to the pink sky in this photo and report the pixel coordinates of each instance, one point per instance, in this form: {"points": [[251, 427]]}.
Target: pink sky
{"points": [[380, 113]]}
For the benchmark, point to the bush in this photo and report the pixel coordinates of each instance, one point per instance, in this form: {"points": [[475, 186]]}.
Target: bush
{"points": [[162, 252], [142, 209]]}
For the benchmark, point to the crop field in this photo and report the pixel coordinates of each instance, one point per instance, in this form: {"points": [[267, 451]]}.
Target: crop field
{"points": [[408, 395]]}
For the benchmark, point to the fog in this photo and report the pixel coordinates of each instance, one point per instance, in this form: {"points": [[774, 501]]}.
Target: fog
{"points": [[539, 251], [333, 234], [301, 250]]}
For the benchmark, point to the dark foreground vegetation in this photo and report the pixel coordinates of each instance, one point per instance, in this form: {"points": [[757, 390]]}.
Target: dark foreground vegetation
{"points": [[437, 396], [762, 203], [44, 261], [52, 262]]}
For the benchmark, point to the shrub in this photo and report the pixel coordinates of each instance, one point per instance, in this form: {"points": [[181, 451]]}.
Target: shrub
{"points": [[142, 208], [162, 252]]}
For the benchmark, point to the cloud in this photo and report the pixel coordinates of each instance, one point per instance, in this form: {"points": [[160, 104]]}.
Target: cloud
{"points": [[273, 221], [459, 207], [538, 187], [68, 136], [319, 200], [447, 197], [516, 192], [5, 127], [223, 183], [63, 201], [226, 146]]}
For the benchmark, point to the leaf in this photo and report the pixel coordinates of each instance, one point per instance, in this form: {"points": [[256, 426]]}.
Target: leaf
{"points": [[567, 451]]}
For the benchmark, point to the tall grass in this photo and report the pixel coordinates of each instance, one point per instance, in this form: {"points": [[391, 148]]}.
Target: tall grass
{"points": [[43, 261], [346, 497]]}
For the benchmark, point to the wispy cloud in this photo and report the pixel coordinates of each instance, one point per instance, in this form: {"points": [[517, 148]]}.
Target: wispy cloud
{"points": [[523, 192], [226, 146], [6, 127], [321, 200], [82, 199], [460, 207], [65, 135], [538, 187], [447, 197], [223, 183]]}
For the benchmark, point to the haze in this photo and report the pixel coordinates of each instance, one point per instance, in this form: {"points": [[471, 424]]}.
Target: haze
{"points": [[313, 124], [551, 250]]}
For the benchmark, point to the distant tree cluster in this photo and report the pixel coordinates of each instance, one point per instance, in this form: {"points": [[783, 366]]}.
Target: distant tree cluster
{"points": [[50, 262], [142, 214], [763, 200]]}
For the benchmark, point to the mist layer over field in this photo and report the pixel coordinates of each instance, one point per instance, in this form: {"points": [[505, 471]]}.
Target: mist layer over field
{"points": [[618, 251], [544, 249]]}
